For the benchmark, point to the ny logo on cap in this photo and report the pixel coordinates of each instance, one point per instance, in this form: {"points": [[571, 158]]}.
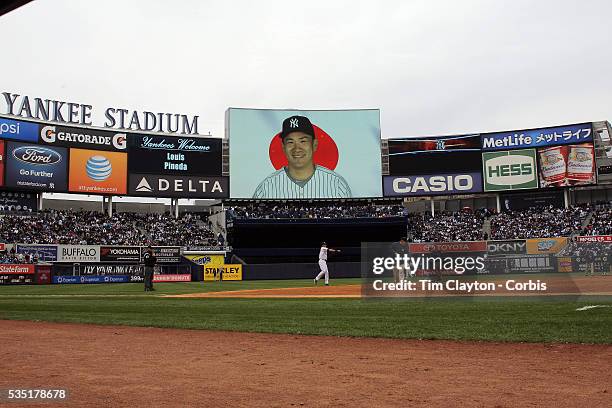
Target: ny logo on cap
{"points": [[294, 122]]}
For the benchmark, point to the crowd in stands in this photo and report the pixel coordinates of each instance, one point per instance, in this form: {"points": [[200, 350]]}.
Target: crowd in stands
{"points": [[313, 211], [539, 222], [94, 228], [10, 257], [448, 226], [601, 222]]}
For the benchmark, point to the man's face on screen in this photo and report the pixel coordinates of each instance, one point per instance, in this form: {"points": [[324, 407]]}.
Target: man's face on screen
{"points": [[299, 148]]}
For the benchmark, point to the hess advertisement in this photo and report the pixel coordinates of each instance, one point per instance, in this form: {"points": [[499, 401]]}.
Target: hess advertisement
{"points": [[36, 167], [291, 154], [97, 172], [179, 156], [510, 170]]}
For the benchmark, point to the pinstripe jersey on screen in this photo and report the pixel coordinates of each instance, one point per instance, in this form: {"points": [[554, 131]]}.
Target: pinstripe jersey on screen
{"points": [[323, 183]]}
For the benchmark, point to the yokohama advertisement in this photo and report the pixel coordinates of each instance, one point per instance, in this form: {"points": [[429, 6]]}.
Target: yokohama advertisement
{"points": [[429, 247], [125, 254], [595, 238]]}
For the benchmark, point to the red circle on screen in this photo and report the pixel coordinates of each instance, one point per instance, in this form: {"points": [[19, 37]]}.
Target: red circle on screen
{"points": [[326, 154]]}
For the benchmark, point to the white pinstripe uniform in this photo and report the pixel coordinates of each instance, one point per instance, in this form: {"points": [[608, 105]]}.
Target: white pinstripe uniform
{"points": [[323, 265], [323, 183]]}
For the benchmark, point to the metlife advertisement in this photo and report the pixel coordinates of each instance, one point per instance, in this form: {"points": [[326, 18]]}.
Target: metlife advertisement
{"points": [[541, 137]]}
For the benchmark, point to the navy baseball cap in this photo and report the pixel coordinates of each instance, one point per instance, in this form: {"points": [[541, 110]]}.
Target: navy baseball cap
{"points": [[297, 124]]}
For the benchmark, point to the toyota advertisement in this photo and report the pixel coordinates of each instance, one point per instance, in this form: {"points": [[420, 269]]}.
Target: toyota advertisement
{"points": [[36, 167]]}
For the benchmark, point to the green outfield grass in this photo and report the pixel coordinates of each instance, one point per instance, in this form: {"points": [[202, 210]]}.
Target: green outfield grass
{"points": [[511, 319]]}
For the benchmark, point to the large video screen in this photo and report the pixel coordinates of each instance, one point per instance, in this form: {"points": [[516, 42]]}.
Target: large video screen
{"points": [[294, 154], [428, 166]]}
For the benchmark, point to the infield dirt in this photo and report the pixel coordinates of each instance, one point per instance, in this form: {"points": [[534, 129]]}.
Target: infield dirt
{"points": [[116, 366]]}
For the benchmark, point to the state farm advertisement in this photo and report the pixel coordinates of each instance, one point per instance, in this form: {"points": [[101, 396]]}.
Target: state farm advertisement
{"points": [[15, 269]]}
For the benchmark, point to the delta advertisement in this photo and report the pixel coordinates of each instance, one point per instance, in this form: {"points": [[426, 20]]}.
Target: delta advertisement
{"points": [[182, 156], [97, 172], [36, 167], [569, 165], [149, 185], [510, 170], [541, 137], [299, 154]]}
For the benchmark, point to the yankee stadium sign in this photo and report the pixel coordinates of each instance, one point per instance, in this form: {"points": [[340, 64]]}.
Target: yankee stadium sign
{"points": [[77, 113], [429, 185]]}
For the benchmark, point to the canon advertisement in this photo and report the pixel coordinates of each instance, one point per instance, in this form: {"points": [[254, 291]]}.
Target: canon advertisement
{"points": [[36, 167], [83, 137], [542, 137], [123, 254], [178, 186], [430, 185], [175, 155]]}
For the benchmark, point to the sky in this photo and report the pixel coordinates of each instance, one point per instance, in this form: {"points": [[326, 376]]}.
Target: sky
{"points": [[431, 67]]}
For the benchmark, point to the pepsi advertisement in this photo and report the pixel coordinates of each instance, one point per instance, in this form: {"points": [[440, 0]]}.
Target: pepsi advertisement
{"points": [[551, 136], [36, 167], [18, 130]]}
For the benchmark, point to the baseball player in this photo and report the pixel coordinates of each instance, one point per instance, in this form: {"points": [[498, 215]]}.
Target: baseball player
{"points": [[399, 248], [323, 263], [301, 178]]}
